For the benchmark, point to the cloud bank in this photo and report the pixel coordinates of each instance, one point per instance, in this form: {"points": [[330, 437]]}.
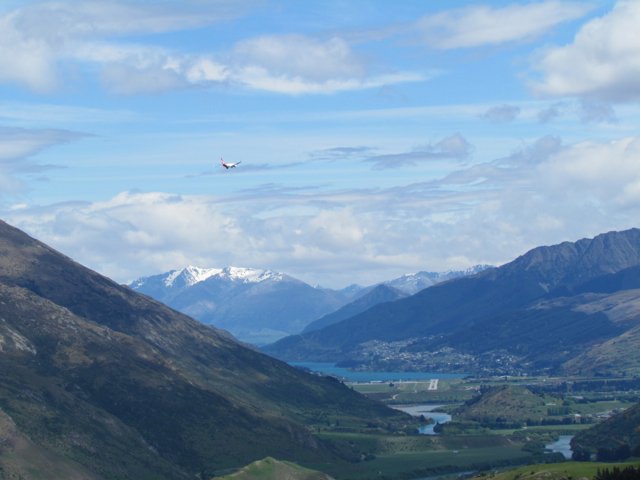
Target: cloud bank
{"points": [[542, 194]]}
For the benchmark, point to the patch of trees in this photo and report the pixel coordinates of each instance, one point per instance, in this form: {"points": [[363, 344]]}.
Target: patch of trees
{"points": [[537, 448], [581, 454], [533, 422], [628, 473], [557, 411], [614, 454]]}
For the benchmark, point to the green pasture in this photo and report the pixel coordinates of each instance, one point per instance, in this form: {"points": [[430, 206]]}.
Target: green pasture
{"points": [[597, 407], [560, 429], [396, 464], [560, 470]]}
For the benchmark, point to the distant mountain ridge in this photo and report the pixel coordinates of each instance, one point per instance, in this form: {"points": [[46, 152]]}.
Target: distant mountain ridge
{"points": [[412, 283], [261, 306], [176, 281], [256, 306], [499, 310]]}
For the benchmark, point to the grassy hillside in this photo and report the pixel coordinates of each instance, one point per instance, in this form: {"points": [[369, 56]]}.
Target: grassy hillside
{"points": [[623, 428], [21, 459], [502, 403], [566, 470], [272, 469]]}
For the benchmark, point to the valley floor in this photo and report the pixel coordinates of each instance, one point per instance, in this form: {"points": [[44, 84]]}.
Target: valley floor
{"points": [[420, 456]]}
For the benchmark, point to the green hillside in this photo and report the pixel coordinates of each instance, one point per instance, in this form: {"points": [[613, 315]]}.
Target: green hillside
{"points": [[562, 471], [619, 430], [504, 403], [272, 469]]}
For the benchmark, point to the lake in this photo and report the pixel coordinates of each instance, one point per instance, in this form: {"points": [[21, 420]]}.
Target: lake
{"points": [[331, 369]]}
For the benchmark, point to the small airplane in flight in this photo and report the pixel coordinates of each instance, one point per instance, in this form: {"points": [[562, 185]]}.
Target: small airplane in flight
{"points": [[230, 165]]}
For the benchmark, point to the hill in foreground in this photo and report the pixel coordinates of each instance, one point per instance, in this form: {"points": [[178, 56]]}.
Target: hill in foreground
{"points": [[560, 471], [272, 469], [115, 383]]}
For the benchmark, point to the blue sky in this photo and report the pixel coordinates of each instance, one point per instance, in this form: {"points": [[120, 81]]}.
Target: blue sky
{"points": [[376, 138]]}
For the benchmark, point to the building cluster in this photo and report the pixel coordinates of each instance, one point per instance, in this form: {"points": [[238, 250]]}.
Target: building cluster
{"points": [[377, 355]]}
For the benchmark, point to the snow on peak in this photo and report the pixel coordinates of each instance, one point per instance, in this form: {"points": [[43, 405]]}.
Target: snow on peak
{"points": [[191, 275], [250, 275]]}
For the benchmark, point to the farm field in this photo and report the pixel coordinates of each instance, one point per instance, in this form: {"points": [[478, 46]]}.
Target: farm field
{"points": [[418, 455]]}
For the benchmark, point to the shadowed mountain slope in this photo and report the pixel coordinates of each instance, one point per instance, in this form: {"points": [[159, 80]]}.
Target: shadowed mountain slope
{"points": [[380, 294], [458, 304], [129, 388]]}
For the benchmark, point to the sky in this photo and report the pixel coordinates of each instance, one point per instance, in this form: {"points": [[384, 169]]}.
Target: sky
{"points": [[376, 138]]}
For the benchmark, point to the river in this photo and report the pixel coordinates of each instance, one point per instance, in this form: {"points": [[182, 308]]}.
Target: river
{"points": [[426, 411], [331, 369], [562, 445]]}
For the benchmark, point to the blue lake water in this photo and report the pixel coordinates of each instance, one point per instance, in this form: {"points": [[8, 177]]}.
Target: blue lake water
{"points": [[331, 369]]}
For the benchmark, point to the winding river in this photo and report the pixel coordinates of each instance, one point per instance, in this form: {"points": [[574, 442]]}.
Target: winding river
{"points": [[562, 445], [426, 411]]}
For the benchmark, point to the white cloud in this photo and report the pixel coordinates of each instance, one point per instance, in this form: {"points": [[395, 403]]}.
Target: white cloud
{"points": [[18, 145], [36, 38], [480, 25], [602, 63], [303, 57]]}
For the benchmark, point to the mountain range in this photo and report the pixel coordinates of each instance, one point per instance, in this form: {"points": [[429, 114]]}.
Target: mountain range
{"points": [[256, 306], [98, 381], [262, 306], [412, 283], [572, 306]]}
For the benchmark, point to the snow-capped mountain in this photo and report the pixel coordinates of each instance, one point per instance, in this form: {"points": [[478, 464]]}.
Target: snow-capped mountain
{"points": [[262, 306], [412, 283], [176, 281], [256, 306]]}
